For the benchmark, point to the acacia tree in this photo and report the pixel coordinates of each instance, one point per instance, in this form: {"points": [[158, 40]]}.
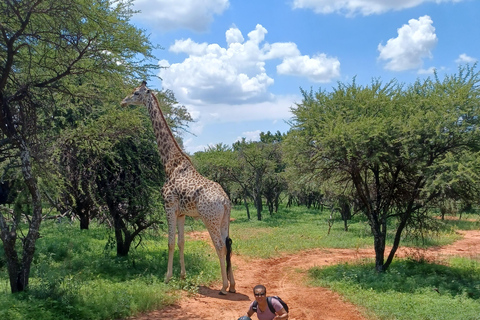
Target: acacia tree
{"points": [[43, 43], [255, 165], [130, 185], [393, 145], [274, 182], [79, 154]]}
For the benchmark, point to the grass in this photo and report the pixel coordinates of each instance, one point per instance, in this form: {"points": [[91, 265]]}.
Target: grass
{"points": [[291, 230], [299, 228], [409, 289], [76, 275]]}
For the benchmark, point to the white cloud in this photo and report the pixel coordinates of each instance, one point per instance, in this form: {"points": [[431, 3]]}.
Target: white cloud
{"points": [[250, 135], [234, 35], [174, 14], [320, 68], [236, 74], [415, 42], [205, 116], [364, 7], [430, 70], [276, 109], [464, 59], [279, 50]]}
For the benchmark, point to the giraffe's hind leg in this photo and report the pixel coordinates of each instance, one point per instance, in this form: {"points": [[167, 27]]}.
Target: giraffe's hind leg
{"points": [[229, 266], [221, 252], [225, 229]]}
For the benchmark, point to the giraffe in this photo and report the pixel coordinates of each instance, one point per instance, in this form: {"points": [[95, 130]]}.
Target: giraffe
{"points": [[187, 193]]}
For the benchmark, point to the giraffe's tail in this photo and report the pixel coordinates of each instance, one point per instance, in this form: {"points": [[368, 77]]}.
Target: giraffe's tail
{"points": [[228, 242]]}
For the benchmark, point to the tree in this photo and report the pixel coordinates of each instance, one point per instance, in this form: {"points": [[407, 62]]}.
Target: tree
{"points": [[393, 145], [80, 153], [262, 166], [274, 181], [255, 165], [130, 184], [43, 44]]}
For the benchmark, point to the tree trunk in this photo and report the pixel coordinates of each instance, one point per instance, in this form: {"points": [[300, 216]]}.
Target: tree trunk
{"points": [[277, 201], [258, 205], [345, 212], [396, 241], [379, 244], [84, 220], [124, 241], [270, 206], [19, 270], [379, 230], [246, 206]]}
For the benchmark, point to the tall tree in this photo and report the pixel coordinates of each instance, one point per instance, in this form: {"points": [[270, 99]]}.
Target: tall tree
{"points": [[80, 153], [43, 43], [255, 166], [274, 181], [130, 186], [394, 145]]}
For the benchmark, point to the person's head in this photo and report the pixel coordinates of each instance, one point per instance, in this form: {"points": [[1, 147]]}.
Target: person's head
{"points": [[260, 292]]}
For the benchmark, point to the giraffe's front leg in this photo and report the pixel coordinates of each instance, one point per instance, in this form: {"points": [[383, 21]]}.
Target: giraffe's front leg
{"points": [[181, 244], [171, 221]]}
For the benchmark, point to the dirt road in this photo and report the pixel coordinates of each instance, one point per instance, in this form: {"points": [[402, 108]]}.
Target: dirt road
{"points": [[285, 276]]}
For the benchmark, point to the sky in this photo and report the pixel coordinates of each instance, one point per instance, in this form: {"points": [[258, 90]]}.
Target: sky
{"points": [[239, 66]]}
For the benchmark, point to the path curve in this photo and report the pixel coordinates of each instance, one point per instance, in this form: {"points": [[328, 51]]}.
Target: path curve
{"points": [[285, 276]]}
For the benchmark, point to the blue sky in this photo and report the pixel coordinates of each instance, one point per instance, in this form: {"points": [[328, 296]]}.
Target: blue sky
{"points": [[238, 65]]}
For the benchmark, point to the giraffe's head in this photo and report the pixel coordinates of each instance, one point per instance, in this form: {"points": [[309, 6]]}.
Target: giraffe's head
{"points": [[138, 97]]}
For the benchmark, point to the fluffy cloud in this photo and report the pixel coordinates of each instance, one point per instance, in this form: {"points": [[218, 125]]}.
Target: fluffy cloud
{"points": [[250, 135], [278, 108], [174, 14], [274, 111], [320, 68], [236, 74], [464, 59], [428, 71], [415, 42], [364, 7]]}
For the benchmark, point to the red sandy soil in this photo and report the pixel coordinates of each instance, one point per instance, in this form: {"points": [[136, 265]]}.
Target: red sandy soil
{"points": [[285, 276]]}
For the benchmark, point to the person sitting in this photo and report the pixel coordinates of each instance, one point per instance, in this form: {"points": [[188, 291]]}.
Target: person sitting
{"points": [[261, 307]]}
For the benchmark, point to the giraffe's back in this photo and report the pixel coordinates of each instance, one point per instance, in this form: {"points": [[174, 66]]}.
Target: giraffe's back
{"points": [[197, 196]]}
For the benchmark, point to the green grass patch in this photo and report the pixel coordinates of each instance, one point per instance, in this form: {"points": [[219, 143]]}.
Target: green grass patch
{"points": [[76, 275], [298, 228], [409, 289], [291, 230]]}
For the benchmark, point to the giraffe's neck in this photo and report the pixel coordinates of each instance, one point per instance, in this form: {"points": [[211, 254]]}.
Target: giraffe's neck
{"points": [[167, 146]]}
